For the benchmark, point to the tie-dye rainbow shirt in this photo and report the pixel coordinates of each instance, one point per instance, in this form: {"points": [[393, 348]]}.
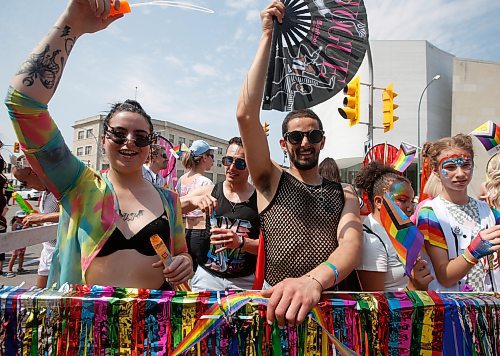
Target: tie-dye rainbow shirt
{"points": [[88, 203]]}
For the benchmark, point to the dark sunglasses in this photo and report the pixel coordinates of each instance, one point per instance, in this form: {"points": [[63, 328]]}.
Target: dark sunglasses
{"points": [[120, 138], [296, 137], [163, 155], [239, 163]]}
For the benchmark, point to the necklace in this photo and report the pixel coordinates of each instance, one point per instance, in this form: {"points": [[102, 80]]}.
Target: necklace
{"points": [[313, 188], [233, 205]]}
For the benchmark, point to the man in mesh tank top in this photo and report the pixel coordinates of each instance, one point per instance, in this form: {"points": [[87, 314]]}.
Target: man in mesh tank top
{"points": [[311, 226]]}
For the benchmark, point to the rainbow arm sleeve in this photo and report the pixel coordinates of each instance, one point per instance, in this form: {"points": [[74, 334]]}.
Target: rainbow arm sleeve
{"points": [[42, 143]]}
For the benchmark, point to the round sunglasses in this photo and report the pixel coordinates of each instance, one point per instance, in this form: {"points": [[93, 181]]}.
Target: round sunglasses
{"points": [[296, 137], [239, 163], [120, 137]]}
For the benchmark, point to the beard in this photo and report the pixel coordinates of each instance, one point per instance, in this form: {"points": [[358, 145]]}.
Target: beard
{"points": [[301, 164]]}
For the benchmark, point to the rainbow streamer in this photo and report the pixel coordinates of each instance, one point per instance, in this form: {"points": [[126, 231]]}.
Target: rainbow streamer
{"points": [[177, 150], [489, 135], [224, 310], [404, 157], [405, 236]]}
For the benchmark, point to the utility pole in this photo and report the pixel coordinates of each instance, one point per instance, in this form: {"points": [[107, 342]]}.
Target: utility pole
{"points": [[370, 96]]}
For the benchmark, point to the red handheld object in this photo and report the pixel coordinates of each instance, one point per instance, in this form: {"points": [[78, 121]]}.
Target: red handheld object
{"points": [[124, 8]]}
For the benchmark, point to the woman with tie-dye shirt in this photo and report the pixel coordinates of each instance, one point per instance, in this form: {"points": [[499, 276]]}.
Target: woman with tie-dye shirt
{"points": [[461, 237], [106, 219]]}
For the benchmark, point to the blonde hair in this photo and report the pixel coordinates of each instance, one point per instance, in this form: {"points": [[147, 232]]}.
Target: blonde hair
{"points": [[460, 141], [433, 186], [189, 161], [492, 183]]}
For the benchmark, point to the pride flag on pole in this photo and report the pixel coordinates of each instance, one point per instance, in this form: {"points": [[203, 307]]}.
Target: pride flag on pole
{"points": [[489, 135], [405, 236], [404, 157], [177, 150]]}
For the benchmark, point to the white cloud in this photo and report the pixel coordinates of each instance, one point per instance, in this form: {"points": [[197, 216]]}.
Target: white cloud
{"points": [[204, 70], [175, 61]]}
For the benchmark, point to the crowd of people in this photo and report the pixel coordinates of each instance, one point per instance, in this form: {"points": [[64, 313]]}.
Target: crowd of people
{"points": [[293, 233]]}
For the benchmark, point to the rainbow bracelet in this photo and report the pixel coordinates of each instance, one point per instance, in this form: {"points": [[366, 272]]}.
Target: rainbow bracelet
{"points": [[334, 269]]}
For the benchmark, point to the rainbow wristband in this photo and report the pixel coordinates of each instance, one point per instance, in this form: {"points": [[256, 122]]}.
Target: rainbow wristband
{"points": [[334, 269], [479, 248]]}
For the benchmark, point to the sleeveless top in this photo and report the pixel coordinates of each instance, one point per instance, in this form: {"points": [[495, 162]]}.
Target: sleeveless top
{"points": [[243, 218], [300, 227]]}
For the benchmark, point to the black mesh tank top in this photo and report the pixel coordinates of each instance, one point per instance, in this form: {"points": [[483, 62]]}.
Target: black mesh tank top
{"points": [[300, 227]]}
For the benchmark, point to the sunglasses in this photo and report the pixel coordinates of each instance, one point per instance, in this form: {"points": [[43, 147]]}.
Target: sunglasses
{"points": [[163, 155], [120, 137], [296, 137], [239, 163]]}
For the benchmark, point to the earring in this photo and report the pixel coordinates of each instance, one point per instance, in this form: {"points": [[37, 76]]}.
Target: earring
{"points": [[285, 156], [103, 150]]}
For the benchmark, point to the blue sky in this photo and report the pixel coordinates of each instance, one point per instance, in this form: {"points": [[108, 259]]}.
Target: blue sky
{"points": [[188, 66]]}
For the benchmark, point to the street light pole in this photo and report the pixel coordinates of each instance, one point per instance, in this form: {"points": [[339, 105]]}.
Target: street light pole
{"points": [[436, 77]]}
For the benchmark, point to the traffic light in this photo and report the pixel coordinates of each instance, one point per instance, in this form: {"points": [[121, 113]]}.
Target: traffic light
{"points": [[16, 147], [350, 111], [266, 128], [388, 108]]}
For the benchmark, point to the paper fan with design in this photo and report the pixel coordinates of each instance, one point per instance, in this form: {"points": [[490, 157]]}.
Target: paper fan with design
{"points": [[315, 52]]}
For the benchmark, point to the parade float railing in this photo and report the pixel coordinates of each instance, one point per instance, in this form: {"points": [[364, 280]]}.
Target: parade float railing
{"points": [[120, 321]]}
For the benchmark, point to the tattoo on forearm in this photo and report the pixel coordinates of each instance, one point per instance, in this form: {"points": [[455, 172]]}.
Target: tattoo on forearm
{"points": [[69, 42], [47, 66], [41, 66], [131, 216]]}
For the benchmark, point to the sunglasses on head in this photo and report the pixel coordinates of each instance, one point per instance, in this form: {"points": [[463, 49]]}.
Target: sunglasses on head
{"points": [[239, 163], [296, 137], [120, 137]]}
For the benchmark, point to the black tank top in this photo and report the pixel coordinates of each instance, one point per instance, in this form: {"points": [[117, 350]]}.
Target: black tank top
{"points": [[300, 227], [140, 241], [241, 217]]}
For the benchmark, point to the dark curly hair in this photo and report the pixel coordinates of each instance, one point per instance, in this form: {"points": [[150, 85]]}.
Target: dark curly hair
{"points": [[375, 178], [128, 105]]}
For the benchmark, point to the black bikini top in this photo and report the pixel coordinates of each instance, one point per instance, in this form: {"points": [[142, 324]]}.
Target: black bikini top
{"points": [[140, 241]]}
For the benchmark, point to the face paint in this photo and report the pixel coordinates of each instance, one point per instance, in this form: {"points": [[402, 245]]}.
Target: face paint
{"points": [[451, 163], [402, 194]]}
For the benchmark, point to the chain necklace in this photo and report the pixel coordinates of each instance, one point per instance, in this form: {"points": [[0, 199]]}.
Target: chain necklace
{"points": [[312, 189], [233, 205]]}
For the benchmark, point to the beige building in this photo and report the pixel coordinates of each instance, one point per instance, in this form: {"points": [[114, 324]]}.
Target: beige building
{"points": [[475, 101], [87, 144]]}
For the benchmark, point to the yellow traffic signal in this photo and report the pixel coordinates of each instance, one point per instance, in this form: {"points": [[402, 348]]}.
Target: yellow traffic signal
{"points": [[388, 108], [266, 128], [350, 111], [16, 147]]}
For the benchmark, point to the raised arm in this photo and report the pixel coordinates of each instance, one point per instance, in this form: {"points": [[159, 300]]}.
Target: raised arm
{"points": [[262, 169], [35, 83], [41, 72]]}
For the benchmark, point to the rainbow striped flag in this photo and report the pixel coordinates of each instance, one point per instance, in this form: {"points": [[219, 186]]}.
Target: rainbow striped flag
{"points": [[405, 236], [177, 150], [404, 157], [489, 135]]}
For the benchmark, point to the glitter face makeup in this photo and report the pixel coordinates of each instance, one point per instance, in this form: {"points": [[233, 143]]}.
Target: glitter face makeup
{"points": [[402, 194], [450, 164]]}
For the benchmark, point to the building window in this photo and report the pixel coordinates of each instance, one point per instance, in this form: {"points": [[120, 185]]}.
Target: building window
{"points": [[190, 143], [182, 140], [88, 150], [219, 150], [80, 135], [219, 163], [171, 138], [89, 133], [79, 151]]}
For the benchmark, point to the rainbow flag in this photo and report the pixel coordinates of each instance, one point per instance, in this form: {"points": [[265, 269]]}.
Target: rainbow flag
{"points": [[405, 236], [224, 310], [489, 135], [404, 157], [177, 150]]}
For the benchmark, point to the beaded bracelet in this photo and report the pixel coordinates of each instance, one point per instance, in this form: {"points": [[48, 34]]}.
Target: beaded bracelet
{"points": [[334, 269], [468, 259]]}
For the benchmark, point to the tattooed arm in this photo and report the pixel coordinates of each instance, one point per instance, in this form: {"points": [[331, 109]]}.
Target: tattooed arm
{"points": [[39, 75], [34, 85]]}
